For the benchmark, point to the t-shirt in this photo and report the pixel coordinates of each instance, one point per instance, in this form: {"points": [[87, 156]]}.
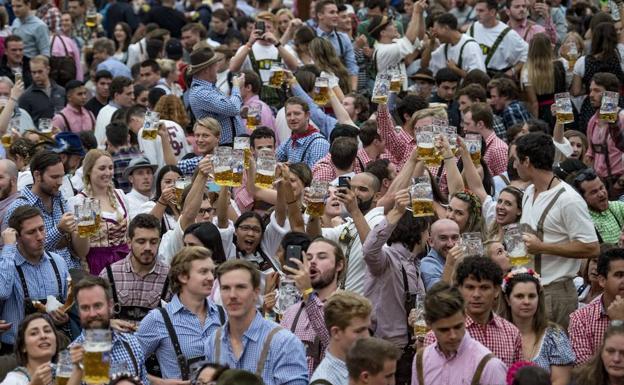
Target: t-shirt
{"points": [[265, 55], [177, 138], [472, 56], [390, 56], [511, 51]]}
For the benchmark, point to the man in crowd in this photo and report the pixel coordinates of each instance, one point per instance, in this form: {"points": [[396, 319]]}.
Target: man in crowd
{"points": [[518, 13], [44, 96], [103, 81], [192, 33], [13, 61], [8, 186], [122, 96], [504, 99], [31, 29], [372, 361], [74, 117], [446, 83], [478, 119], [475, 93], [149, 73], [122, 153], [103, 51], [440, 262], [140, 174]]}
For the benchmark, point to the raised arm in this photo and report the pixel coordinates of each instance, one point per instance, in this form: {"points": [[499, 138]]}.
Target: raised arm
{"points": [[223, 201], [194, 198], [11, 105], [416, 27], [236, 62]]}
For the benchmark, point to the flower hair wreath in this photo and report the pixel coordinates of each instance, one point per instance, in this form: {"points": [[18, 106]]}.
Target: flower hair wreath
{"points": [[513, 273]]}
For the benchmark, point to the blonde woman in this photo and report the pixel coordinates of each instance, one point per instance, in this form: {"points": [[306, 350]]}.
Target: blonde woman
{"points": [[169, 76], [325, 58], [108, 244], [283, 18]]}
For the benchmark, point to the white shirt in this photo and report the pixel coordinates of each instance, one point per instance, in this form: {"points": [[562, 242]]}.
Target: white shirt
{"points": [[171, 242], [114, 215], [170, 221], [137, 52], [579, 66], [568, 220], [177, 138], [15, 378], [103, 119], [390, 56], [135, 202], [511, 51], [472, 56], [265, 55]]}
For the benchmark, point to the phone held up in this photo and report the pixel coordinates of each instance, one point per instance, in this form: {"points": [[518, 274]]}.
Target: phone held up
{"points": [[293, 252]]}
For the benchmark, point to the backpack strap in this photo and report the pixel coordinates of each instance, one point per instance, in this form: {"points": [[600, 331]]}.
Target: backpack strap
{"points": [[477, 376], [182, 363], [540, 227], [497, 42], [419, 367], [265, 350]]}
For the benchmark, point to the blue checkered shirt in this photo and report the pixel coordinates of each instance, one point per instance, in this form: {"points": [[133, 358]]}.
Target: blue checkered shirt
{"points": [[333, 370], [121, 160], [309, 150], [50, 220], [499, 128], [40, 281], [119, 353], [208, 101], [153, 335], [514, 113], [285, 364], [188, 166]]}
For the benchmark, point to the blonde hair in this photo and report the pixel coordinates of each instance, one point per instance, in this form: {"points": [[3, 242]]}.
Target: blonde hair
{"points": [[342, 306], [430, 112], [540, 65], [211, 124], [267, 17], [88, 163], [181, 264], [167, 66], [41, 59]]}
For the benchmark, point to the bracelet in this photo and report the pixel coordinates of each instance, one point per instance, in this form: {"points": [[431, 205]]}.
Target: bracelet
{"points": [[279, 43], [290, 203], [307, 292], [159, 202]]}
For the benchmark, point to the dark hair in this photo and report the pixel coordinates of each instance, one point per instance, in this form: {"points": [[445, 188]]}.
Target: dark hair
{"points": [[253, 79], [540, 319], [361, 103], [320, 6], [117, 378], [446, 75], [239, 377], [605, 259], [408, 230], [21, 214], [128, 31], [261, 132], [118, 84], [303, 172], [117, 133], [480, 269], [154, 47], [447, 19], [343, 151], [296, 238], [88, 140], [20, 339], [609, 81], [505, 87], [491, 4], [531, 375], [42, 160], [538, 147], [154, 95], [240, 264], [370, 355], [442, 301], [604, 41], [139, 89], [221, 14], [12, 38], [103, 74], [306, 79], [482, 112], [89, 281], [209, 235], [297, 100], [343, 130], [476, 76], [197, 28], [159, 177], [368, 132], [537, 125], [379, 168], [143, 221], [475, 92], [218, 370]]}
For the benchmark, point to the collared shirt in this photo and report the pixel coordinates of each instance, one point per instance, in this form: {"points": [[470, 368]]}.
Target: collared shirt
{"points": [[134, 290], [135, 200], [498, 335], [323, 121], [4, 204], [431, 268], [192, 334], [325, 170], [496, 154], [609, 223], [50, 15], [34, 33], [385, 285], [398, 143], [41, 103], [115, 67], [78, 119], [598, 136], [587, 328], [499, 127], [308, 150], [66, 46], [120, 353], [528, 29], [50, 220], [121, 160], [343, 46], [515, 113], [207, 101], [310, 328], [460, 367], [332, 370], [40, 280], [285, 363]]}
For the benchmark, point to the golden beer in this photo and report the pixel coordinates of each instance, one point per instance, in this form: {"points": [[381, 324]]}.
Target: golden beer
{"points": [[85, 229], [149, 134], [247, 155], [61, 380], [7, 140], [178, 194], [237, 179], [18, 77], [476, 157], [91, 21], [96, 365], [264, 180], [422, 207], [253, 121], [380, 99], [223, 176], [520, 260], [565, 117], [98, 220], [610, 117], [396, 85], [316, 208], [420, 328], [425, 151], [277, 78], [321, 95]]}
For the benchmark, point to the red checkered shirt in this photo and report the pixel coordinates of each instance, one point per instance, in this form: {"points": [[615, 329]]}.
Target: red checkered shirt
{"points": [[587, 328], [499, 335], [310, 326], [325, 170], [399, 144], [496, 154]]}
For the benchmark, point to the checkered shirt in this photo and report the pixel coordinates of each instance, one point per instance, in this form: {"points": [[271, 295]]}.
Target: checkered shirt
{"points": [[514, 113], [50, 15], [498, 335], [587, 327], [188, 166], [121, 160], [398, 144], [609, 223], [305, 150], [496, 154]]}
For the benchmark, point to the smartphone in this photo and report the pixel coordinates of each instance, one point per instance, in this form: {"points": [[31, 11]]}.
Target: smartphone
{"points": [[293, 252], [260, 26], [344, 183]]}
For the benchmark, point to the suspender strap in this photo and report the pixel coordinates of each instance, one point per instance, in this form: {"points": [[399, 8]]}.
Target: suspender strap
{"points": [[296, 320], [217, 351], [163, 293], [182, 363], [111, 280], [67, 126], [540, 227], [265, 350], [362, 166], [477, 376], [22, 278], [419, 367], [461, 52], [57, 274], [505, 179], [62, 42], [305, 150], [497, 42], [529, 28], [132, 357]]}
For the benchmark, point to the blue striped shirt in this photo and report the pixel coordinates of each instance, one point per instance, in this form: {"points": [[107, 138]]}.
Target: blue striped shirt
{"points": [[286, 362], [208, 101], [153, 335], [309, 155], [119, 353], [40, 280], [50, 220]]}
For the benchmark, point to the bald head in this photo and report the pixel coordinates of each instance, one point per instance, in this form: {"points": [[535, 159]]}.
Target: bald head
{"points": [[444, 236], [8, 167], [8, 178], [368, 179]]}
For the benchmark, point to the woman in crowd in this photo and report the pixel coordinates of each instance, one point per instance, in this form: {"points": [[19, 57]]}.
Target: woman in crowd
{"points": [[579, 143], [300, 42], [122, 35], [605, 367], [164, 206], [170, 74], [590, 287], [108, 244], [207, 235], [175, 118], [325, 58], [283, 17], [543, 342]]}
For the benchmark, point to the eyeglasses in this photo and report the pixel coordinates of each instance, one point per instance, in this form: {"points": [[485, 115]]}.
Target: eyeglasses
{"points": [[585, 175], [208, 210], [253, 229]]}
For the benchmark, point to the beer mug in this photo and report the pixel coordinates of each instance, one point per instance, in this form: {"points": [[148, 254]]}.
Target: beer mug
{"points": [[277, 76], [424, 143], [516, 248], [451, 134], [242, 143], [421, 196], [573, 55], [396, 81], [150, 125], [287, 295], [472, 245], [96, 210], [321, 91], [180, 185], [91, 18], [473, 144], [117, 369], [64, 368], [96, 359], [564, 108], [238, 166], [45, 127], [420, 325], [316, 200], [439, 134], [381, 89], [13, 128], [18, 75], [85, 220], [253, 120], [222, 168], [609, 106], [265, 171]]}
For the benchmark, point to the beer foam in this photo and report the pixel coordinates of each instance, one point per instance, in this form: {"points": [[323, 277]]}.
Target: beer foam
{"points": [[222, 169], [98, 347], [266, 173], [425, 145]]}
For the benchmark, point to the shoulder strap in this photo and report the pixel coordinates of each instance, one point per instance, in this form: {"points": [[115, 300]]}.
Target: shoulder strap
{"points": [[111, 280], [497, 42], [20, 272], [406, 302], [221, 314], [471, 33], [505, 179], [419, 367], [540, 227], [477, 376], [182, 363], [293, 327], [64, 47], [132, 356], [460, 59], [305, 150], [529, 28], [265, 350], [217, 349]]}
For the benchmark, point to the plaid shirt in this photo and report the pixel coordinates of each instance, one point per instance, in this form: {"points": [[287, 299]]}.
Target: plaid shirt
{"points": [[398, 144], [587, 327], [496, 154], [49, 14], [310, 327], [498, 335], [308, 150], [514, 113], [134, 290], [499, 128], [325, 170], [121, 160], [188, 166], [609, 223]]}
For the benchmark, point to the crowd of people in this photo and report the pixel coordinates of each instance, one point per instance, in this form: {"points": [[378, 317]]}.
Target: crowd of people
{"points": [[311, 192]]}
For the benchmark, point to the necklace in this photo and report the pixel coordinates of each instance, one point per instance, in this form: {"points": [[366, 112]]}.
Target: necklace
{"points": [[551, 182]]}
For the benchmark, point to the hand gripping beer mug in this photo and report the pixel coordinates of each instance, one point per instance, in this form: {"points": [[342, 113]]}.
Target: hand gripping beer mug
{"points": [[253, 120], [277, 76], [265, 171], [96, 359], [150, 125], [45, 127], [609, 106], [321, 91], [439, 134], [420, 325], [14, 127], [316, 202], [573, 55], [222, 166], [516, 248], [242, 143], [287, 295], [381, 89], [180, 185], [238, 166], [85, 219], [96, 210], [473, 143], [18, 75], [396, 81], [424, 143], [64, 368], [472, 244], [421, 196], [564, 108]]}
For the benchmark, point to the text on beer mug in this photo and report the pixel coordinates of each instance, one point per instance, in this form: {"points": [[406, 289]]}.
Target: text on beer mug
{"points": [[242, 143], [150, 125], [472, 244], [473, 144]]}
